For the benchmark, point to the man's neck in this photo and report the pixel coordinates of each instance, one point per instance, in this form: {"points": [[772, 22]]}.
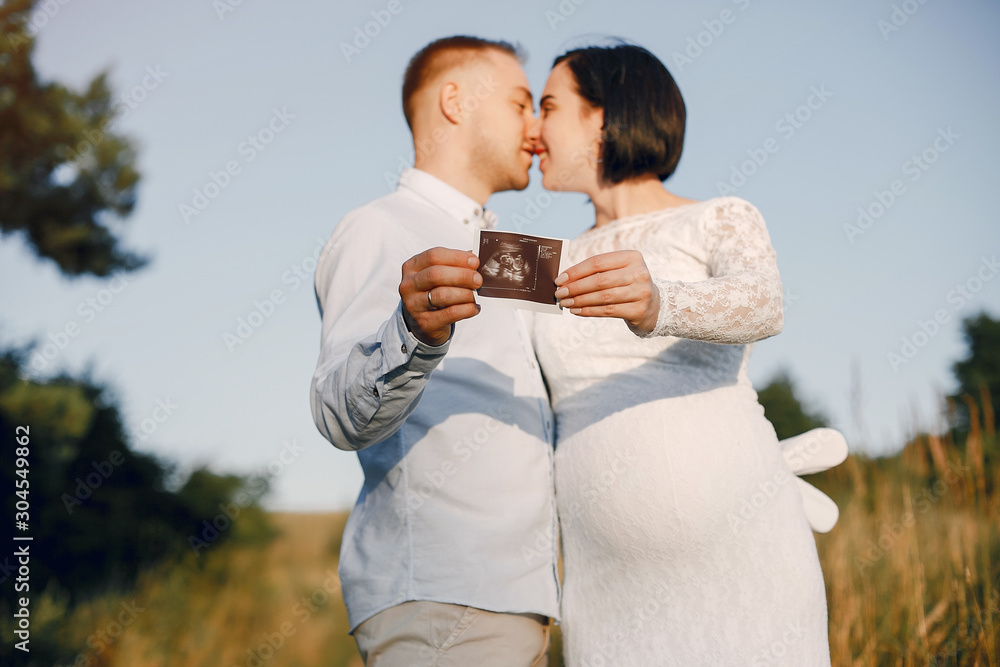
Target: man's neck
{"points": [[457, 175]]}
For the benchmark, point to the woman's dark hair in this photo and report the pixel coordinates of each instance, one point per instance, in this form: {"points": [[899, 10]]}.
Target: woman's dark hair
{"points": [[644, 112]]}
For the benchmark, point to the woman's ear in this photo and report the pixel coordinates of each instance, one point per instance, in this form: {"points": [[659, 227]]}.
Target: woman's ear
{"points": [[594, 121]]}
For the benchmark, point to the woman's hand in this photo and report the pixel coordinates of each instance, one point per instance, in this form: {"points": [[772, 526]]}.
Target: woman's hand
{"points": [[613, 284]]}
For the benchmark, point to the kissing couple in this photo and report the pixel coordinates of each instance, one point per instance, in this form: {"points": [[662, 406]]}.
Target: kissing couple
{"points": [[623, 435]]}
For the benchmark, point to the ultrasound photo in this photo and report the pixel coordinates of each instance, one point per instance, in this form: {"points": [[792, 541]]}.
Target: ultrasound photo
{"points": [[519, 270]]}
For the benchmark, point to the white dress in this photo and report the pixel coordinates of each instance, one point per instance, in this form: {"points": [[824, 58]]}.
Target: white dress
{"points": [[684, 537]]}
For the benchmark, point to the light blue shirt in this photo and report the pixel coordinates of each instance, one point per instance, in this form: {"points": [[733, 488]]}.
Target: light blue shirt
{"points": [[455, 441]]}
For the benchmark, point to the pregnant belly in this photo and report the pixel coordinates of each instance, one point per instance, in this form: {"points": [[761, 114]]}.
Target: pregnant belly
{"points": [[670, 475]]}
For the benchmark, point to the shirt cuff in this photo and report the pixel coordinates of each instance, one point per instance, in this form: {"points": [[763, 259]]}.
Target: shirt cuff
{"points": [[402, 348]]}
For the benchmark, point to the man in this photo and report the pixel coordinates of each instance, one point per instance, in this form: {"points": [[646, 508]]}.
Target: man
{"points": [[449, 556]]}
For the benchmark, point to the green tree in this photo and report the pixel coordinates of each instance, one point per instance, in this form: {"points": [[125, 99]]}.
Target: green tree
{"points": [[100, 511], [784, 410], [62, 172], [979, 372]]}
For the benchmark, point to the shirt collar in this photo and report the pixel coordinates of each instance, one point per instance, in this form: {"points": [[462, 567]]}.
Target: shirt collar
{"points": [[456, 204]]}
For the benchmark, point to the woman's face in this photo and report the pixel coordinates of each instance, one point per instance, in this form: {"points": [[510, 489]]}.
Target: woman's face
{"points": [[569, 127]]}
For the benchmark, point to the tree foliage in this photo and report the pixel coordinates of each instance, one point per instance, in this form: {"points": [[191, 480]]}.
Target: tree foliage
{"points": [[784, 410], [99, 510], [978, 374], [64, 175]]}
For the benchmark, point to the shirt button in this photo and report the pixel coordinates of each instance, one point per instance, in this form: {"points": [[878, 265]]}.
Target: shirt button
{"points": [[375, 392], [402, 348], [465, 222]]}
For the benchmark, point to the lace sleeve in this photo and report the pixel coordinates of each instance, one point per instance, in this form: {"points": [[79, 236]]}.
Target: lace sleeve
{"points": [[742, 301]]}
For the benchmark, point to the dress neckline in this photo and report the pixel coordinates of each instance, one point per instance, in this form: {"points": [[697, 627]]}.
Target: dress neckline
{"points": [[617, 222]]}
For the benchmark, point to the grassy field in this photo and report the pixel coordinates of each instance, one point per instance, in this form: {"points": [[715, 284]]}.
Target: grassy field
{"points": [[912, 572]]}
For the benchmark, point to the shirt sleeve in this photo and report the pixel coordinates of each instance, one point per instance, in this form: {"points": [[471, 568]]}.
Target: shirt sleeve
{"points": [[371, 370], [742, 300]]}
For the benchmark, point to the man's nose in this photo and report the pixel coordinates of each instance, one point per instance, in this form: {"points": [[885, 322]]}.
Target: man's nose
{"points": [[534, 129]]}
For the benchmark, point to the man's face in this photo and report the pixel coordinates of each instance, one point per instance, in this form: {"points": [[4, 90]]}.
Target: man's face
{"points": [[503, 129]]}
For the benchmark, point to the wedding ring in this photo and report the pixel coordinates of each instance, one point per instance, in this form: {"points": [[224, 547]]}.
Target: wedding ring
{"points": [[430, 303]]}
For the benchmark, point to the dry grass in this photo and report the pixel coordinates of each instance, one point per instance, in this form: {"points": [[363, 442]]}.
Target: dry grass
{"points": [[912, 572]]}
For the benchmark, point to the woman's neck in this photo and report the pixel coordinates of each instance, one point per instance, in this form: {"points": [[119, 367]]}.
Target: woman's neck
{"points": [[632, 197]]}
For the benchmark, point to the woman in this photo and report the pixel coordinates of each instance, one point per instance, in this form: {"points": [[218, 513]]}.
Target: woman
{"points": [[685, 541]]}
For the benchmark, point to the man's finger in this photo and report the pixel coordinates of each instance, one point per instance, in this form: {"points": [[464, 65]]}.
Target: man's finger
{"points": [[439, 319], [446, 276], [444, 257], [443, 297]]}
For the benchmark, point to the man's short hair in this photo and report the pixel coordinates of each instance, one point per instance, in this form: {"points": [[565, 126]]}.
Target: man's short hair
{"points": [[644, 112], [442, 55]]}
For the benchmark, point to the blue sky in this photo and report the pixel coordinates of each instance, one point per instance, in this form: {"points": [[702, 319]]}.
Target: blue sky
{"points": [[885, 81]]}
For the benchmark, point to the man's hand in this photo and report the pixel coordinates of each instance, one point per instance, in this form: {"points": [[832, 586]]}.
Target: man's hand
{"points": [[613, 284], [437, 291]]}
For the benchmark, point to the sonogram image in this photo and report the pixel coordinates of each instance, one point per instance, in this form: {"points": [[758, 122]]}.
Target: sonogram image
{"points": [[519, 267], [508, 266]]}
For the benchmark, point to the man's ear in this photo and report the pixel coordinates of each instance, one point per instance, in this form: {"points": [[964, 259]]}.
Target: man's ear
{"points": [[450, 105]]}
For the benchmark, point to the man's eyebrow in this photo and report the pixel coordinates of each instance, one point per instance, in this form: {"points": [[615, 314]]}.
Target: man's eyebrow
{"points": [[526, 91]]}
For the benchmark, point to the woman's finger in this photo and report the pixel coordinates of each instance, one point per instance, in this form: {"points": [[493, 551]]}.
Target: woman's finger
{"points": [[605, 297], [594, 283], [608, 261]]}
